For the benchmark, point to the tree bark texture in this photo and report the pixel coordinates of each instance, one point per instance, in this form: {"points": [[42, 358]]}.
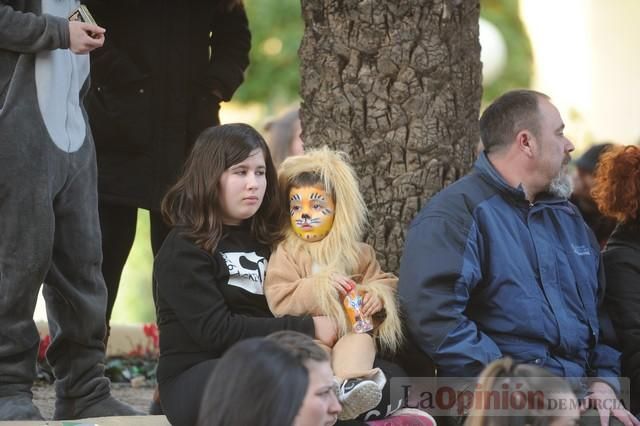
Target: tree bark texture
{"points": [[396, 84]]}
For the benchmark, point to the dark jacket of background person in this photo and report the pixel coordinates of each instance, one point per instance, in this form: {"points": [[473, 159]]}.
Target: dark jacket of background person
{"points": [[152, 88], [485, 274], [622, 267], [601, 225]]}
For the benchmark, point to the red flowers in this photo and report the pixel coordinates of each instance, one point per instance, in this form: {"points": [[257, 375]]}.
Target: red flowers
{"points": [[151, 349], [44, 345], [151, 330]]}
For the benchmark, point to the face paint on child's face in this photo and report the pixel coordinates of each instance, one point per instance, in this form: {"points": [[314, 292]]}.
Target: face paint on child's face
{"points": [[312, 210]]}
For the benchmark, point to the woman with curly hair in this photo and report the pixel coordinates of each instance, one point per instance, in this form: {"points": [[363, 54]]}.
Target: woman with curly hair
{"points": [[617, 192]]}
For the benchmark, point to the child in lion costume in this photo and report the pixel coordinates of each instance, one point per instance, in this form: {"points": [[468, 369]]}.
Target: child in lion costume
{"points": [[322, 259]]}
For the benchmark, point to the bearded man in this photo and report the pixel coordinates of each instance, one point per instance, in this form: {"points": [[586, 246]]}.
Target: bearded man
{"points": [[500, 263]]}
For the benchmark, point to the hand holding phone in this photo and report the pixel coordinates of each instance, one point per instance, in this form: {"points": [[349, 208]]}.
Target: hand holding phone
{"points": [[82, 14], [83, 37]]}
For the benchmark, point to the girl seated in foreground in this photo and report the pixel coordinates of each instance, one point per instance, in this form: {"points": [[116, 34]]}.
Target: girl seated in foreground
{"points": [[208, 275]]}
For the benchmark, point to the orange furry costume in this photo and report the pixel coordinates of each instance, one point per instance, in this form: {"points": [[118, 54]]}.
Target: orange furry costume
{"points": [[298, 276]]}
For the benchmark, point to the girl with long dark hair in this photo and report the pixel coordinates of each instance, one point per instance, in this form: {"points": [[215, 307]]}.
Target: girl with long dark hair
{"points": [[208, 275]]}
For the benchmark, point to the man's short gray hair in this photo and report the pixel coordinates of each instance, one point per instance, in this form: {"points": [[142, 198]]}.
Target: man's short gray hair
{"points": [[509, 114]]}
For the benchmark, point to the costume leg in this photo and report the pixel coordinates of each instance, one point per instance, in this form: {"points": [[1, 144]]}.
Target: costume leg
{"points": [[386, 406], [360, 385], [76, 297], [26, 240], [118, 226], [74, 289], [353, 356]]}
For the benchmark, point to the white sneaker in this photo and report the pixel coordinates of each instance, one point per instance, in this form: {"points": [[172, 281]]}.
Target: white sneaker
{"points": [[360, 395]]}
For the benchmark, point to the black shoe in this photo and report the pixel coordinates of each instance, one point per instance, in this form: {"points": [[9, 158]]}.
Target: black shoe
{"points": [[105, 408], [155, 409], [19, 407]]}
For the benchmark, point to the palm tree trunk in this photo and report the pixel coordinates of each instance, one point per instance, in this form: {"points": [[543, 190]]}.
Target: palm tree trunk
{"points": [[396, 84]]}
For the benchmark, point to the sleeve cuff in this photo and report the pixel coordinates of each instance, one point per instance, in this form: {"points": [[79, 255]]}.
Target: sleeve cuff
{"points": [[609, 377], [62, 25]]}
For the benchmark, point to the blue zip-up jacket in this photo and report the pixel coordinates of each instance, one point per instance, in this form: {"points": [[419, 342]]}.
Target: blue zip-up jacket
{"points": [[486, 274]]}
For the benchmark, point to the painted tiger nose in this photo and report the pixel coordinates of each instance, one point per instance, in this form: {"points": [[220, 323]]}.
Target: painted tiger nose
{"points": [[306, 216]]}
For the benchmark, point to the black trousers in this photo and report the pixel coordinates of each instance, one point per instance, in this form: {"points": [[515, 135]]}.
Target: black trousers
{"points": [[118, 225], [181, 396]]}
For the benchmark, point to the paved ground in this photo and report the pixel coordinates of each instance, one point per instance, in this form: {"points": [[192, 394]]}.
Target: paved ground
{"points": [[44, 397]]}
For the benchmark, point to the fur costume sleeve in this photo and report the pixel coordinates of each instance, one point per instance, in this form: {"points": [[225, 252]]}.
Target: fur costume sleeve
{"points": [[383, 285], [288, 289], [25, 32]]}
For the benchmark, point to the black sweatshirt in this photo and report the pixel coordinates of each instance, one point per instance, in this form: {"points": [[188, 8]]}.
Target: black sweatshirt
{"points": [[206, 302]]}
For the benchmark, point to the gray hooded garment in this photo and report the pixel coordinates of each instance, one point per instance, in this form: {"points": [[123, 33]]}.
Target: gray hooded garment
{"points": [[49, 229], [59, 74]]}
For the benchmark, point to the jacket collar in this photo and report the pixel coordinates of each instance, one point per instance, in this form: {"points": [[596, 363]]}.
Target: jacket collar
{"points": [[625, 234], [489, 173]]}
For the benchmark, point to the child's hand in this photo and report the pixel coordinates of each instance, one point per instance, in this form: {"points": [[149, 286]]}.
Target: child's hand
{"points": [[371, 304], [341, 283]]}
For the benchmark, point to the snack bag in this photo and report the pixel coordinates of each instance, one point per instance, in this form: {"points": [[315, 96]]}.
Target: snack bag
{"points": [[353, 304]]}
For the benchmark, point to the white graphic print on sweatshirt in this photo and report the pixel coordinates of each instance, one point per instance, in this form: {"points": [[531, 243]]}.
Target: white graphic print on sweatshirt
{"points": [[246, 270]]}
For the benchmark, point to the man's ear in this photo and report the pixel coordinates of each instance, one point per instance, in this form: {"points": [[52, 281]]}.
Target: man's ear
{"points": [[526, 142]]}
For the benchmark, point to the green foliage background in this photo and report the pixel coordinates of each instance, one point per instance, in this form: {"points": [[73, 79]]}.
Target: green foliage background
{"points": [[504, 14], [134, 303], [273, 80]]}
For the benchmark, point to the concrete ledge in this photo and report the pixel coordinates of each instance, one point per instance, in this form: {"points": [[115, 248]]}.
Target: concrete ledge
{"points": [[101, 421], [125, 339]]}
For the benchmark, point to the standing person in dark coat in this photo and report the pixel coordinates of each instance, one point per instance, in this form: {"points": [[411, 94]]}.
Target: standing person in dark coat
{"points": [[583, 180], [617, 192], [156, 84]]}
